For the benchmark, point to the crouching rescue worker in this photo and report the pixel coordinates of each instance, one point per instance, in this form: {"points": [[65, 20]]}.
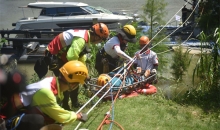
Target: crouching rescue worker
{"points": [[37, 105], [107, 57], [147, 60], [67, 46]]}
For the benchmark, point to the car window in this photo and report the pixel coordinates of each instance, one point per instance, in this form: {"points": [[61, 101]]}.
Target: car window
{"points": [[90, 10], [63, 11], [75, 11], [49, 12]]}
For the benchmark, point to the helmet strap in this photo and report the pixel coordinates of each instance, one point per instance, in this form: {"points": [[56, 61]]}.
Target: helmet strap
{"points": [[94, 35], [72, 88], [100, 28], [62, 79]]}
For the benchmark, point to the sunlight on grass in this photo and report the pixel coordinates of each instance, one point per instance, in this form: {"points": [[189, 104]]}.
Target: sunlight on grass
{"points": [[150, 112]]}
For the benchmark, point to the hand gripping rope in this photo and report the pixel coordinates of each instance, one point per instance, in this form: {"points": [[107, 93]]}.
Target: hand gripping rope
{"points": [[107, 115], [105, 120]]}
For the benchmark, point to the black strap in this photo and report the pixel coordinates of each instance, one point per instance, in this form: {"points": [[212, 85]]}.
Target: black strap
{"points": [[84, 51], [122, 44]]}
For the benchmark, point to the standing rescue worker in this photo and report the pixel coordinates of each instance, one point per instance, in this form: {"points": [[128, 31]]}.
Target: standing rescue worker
{"points": [[146, 58], [67, 46], [107, 57], [40, 100]]}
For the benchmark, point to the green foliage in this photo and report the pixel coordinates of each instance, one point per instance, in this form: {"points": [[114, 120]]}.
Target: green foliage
{"points": [[206, 93], [209, 16], [180, 63], [34, 78], [90, 62], [154, 11], [2, 40], [159, 49]]}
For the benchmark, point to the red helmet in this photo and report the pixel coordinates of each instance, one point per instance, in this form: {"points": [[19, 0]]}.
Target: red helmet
{"points": [[144, 40], [101, 30]]}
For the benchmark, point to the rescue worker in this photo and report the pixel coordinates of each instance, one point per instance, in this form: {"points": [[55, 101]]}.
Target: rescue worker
{"points": [[146, 58], [107, 57], [37, 104], [67, 46], [146, 65]]}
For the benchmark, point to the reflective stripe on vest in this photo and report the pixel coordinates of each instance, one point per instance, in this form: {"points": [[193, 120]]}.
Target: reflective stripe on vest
{"points": [[66, 39], [62, 40]]}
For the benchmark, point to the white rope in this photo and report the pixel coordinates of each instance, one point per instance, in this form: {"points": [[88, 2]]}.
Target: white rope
{"points": [[178, 28], [100, 97], [162, 29], [130, 62]]}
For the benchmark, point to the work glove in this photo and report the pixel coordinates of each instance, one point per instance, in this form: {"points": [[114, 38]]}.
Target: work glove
{"points": [[3, 76], [138, 56], [83, 117], [147, 73], [138, 69], [153, 71], [3, 59]]}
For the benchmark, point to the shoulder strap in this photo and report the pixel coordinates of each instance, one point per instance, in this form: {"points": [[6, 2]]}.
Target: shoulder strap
{"points": [[84, 51], [122, 44]]}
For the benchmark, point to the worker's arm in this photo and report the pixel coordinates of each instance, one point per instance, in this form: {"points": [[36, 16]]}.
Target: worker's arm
{"points": [[120, 53], [135, 64], [75, 49], [155, 61], [45, 100]]}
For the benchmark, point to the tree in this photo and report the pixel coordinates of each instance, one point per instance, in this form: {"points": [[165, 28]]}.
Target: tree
{"points": [[209, 15], [154, 12]]}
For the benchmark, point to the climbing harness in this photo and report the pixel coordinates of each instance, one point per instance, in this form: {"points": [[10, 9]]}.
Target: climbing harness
{"points": [[105, 65]]}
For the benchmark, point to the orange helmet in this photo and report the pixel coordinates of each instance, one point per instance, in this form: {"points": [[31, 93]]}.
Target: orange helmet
{"points": [[103, 79], [101, 30], [74, 72], [144, 40]]}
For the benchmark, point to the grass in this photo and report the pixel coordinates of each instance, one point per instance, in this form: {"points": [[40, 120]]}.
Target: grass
{"points": [[150, 112]]}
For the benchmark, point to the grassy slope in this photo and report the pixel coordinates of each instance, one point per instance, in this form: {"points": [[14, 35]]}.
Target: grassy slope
{"points": [[151, 113]]}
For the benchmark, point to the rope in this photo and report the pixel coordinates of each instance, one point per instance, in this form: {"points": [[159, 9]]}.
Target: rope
{"points": [[178, 28], [107, 116], [100, 97], [190, 33], [15, 120], [128, 66], [173, 31], [108, 122]]}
